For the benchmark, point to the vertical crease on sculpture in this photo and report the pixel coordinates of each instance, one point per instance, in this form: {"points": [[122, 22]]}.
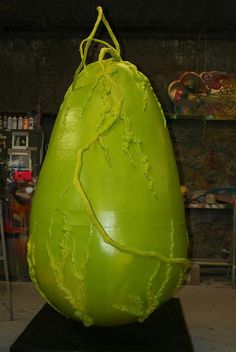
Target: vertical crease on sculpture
{"points": [[129, 139], [77, 301], [153, 296], [32, 265], [106, 150], [144, 83], [168, 266]]}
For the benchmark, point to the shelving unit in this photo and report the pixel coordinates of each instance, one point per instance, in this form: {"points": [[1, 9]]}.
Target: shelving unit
{"points": [[198, 117], [207, 136], [21, 155], [231, 263]]}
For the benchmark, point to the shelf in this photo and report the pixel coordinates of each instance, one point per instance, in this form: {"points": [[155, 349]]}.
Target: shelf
{"points": [[197, 117], [208, 206], [210, 262], [22, 130]]}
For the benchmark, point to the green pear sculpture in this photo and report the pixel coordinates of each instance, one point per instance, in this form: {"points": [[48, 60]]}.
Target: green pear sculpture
{"points": [[108, 240]]}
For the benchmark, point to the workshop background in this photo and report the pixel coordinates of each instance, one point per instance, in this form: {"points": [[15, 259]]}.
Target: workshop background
{"points": [[166, 40]]}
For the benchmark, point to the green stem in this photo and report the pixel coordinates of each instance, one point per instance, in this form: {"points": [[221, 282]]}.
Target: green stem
{"points": [[112, 35], [113, 51], [104, 51]]}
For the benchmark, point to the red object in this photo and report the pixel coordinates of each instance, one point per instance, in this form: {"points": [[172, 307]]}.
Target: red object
{"points": [[22, 175]]}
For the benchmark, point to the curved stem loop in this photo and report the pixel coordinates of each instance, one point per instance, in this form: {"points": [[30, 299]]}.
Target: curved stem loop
{"points": [[85, 44]]}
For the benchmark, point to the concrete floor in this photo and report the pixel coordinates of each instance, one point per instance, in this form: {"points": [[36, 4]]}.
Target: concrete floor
{"points": [[209, 309]]}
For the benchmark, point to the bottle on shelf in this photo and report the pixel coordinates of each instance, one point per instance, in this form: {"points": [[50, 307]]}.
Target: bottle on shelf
{"points": [[31, 122], [9, 122], [14, 123], [20, 123], [25, 123], [1, 123], [5, 122]]}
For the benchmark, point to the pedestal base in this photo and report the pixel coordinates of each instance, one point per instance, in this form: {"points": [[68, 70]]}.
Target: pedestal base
{"points": [[164, 331]]}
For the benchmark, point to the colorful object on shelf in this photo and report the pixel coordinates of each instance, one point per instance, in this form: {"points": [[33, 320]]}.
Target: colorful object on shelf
{"points": [[211, 94], [21, 191], [108, 239], [22, 175]]}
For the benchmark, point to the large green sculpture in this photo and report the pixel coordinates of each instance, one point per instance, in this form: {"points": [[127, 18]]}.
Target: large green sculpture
{"points": [[108, 240]]}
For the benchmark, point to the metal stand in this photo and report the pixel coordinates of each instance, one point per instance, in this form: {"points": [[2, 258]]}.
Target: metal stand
{"points": [[3, 258]]}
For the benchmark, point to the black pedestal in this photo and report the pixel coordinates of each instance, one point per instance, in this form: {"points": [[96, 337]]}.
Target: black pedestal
{"points": [[164, 331]]}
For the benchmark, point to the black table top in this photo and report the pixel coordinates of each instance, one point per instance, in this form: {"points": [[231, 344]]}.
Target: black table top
{"points": [[164, 331]]}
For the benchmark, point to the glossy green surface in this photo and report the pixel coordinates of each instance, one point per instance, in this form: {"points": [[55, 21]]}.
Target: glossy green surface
{"points": [[108, 241]]}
